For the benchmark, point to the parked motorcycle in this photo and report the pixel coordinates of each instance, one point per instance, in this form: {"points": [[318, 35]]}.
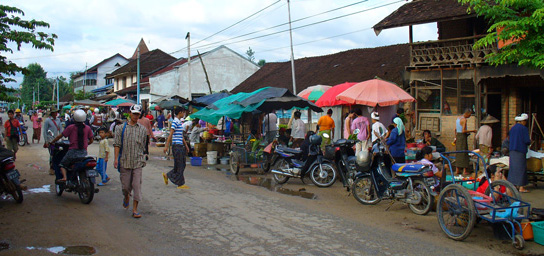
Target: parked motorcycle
{"points": [[10, 183], [23, 138], [81, 176], [341, 151], [288, 163], [409, 183]]}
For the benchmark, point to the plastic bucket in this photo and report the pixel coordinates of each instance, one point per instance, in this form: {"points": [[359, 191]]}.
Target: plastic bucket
{"points": [[224, 160], [527, 230], [212, 157]]}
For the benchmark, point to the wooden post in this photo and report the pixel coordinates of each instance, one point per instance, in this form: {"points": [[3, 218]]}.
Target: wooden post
{"points": [[205, 72]]}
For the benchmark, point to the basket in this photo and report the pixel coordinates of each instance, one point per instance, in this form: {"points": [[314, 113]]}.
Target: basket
{"points": [[329, 152], [534, 164], [196, 161], [538, 232]]}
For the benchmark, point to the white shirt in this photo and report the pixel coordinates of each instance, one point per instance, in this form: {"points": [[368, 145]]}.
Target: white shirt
{"points": [[187, 126], [376, 127], [299, 129]]}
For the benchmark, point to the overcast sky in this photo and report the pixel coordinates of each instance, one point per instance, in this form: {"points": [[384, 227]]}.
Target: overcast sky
{"points": [[90, 31]]}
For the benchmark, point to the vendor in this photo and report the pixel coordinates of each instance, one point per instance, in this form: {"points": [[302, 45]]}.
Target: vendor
{"points": [[519, 141], [430, 141], [397, 141], [484, 137], [194, 136]]}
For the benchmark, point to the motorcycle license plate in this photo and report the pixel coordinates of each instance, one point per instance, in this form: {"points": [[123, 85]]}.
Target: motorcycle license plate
{"points": [[430, 181], [92, 173], [13, 174]]}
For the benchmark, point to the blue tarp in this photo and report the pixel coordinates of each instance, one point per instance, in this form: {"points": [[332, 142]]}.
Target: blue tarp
{"points": [[103, 88], [209, 99]]}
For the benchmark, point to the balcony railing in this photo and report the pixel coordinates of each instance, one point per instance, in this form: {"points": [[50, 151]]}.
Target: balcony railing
{"points": [[458, 51]]}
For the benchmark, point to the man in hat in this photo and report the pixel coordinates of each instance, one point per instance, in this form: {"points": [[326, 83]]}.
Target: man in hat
{"points": [[519, 141], [378, 129], [52, 124], [484, 137]]}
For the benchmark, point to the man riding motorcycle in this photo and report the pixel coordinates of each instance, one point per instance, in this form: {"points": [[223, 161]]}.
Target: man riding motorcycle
{"points": [[80, 136]]}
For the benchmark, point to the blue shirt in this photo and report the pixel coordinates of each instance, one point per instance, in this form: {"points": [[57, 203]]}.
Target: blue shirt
{"points": [[519, 138], [160, 121], [177, 135], [396, 143]]}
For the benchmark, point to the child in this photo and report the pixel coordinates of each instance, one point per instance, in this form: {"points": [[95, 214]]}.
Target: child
{"points": [[425, 156], [103, 153]]}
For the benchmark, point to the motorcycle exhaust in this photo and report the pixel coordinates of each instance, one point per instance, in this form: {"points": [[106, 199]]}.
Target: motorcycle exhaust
{"points": [[282, 173]]}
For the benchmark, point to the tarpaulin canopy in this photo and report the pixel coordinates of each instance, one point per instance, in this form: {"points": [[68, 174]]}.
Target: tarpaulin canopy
{"points": [[287, 102], [116, 102], [170, 104], [209, 99], [375, 92], [263, 94], [90, 103], [328, 99]]}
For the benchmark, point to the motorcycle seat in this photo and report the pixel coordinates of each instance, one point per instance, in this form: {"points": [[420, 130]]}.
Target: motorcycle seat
{"points": [[290, 150], [407, 167]]}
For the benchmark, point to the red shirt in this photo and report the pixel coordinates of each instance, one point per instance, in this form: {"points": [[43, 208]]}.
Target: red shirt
{"points": [[484, 186], [7, 125], [71, 133]]}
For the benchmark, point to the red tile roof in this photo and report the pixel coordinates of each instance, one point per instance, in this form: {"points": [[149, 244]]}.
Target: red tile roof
{"points": [[355, 65], [423, 11]]}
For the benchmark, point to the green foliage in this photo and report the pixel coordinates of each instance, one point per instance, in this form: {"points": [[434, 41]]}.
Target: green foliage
{"points": [[35, 80], [250, 54], [261, 63], [79, 95], [16, 31], [521, 20]]}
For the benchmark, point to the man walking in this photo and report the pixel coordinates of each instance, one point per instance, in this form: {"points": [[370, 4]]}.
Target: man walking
{"points": [[179, 149], [11, 128], [129, 144], [52, 124]]}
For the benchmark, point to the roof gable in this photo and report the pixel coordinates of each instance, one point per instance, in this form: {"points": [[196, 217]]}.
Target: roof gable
{"points": [[149, 62], [423, 11], [143, 49], [94, 68], [355, 65]]}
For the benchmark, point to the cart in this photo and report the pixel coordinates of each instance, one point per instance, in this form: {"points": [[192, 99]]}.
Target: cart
{"points": [[246, 154], [458, 208]]}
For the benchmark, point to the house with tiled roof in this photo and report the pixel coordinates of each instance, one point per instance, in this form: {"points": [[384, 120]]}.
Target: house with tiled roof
{"points": [[448, 75], [224, 69], [95, 76]]}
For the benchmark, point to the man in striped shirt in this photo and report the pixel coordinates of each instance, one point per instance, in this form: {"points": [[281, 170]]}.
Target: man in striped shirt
{"points": [[129, 157], [179, 150]]}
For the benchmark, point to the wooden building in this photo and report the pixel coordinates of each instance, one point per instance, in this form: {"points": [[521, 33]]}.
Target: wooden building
{"points": [[448, 75]]}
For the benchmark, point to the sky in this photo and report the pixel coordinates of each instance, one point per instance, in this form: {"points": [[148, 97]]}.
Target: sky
{"points": [[91, 31]]}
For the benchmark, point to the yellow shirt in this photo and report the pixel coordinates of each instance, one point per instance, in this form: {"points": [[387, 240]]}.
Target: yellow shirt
{"points": [[103, 147], [325, 123]]}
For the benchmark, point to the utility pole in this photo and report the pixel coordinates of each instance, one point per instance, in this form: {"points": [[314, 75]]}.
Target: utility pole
{"points": [[53, 93], [292, 55], [58, 103], [33, 96], [38, 91], [188, 37], [85, 79], [138, 76]]}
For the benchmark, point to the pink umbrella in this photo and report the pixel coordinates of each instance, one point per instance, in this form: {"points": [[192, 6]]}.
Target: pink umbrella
{"points": [[375, 92], [314, 92], [328, 99]]}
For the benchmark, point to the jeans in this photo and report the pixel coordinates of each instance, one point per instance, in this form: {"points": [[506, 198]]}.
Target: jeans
{"points": [[101, 167]]}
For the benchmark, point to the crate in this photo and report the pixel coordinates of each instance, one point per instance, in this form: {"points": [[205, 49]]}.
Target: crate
{"points": [[538, 232], [200, 150], [196, 161]]}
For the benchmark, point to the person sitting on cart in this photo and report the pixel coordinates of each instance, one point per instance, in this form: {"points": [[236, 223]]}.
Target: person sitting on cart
{"points": [[495, 173], [425, 157]]}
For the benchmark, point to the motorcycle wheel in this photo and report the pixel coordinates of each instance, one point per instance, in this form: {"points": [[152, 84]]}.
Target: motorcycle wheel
{"points": [[267, 158], [323, 177], [427, 199], [234, 163], [59, 189], [15, 191], [364, 191], [86, 190], [279, 165], [22, 140]]}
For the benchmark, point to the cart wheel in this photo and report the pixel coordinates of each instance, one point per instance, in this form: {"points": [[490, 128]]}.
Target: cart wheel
{"points": [[456, 212], [511, 190], [519, 242], [234, 163]]}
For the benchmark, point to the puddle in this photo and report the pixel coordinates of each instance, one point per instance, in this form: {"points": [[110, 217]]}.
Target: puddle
{"points": [[70, 250], [43, 189], [4, 246], [272, 186]]}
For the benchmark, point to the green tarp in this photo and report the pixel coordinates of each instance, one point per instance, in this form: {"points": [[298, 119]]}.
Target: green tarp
{"points": [[116, 102]]}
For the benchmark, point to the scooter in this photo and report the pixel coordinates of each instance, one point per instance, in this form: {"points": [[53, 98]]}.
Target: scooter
{"points": [[341, 151], [289, 163], [9, 176], [23, 138], [408, 183]]}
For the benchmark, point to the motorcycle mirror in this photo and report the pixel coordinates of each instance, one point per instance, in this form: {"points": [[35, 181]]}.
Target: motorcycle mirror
{"points": [[356, 131]]}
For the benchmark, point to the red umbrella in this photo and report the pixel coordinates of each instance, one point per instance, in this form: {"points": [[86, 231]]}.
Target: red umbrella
{"points": [[375, 92], [328, 98]]}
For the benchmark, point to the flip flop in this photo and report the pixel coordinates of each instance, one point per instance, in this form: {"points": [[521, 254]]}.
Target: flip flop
{"points": [[165, 178], [107, 179], [524, 191], [125, 204], [136, 215]]}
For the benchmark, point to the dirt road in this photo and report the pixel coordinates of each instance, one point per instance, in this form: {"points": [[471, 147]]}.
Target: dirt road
{"points": [[220, 214]]}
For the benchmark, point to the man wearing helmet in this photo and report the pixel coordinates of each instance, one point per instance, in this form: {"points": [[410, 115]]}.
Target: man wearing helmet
{"points": [[129, 144], [19, 116], [80, 136]]}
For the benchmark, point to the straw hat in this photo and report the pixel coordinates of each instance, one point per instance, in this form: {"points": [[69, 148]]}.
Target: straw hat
{"points": [[521, 117], [489, 120]]}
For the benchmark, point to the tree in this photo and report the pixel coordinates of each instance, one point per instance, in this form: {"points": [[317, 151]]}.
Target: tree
{"points": [[16, 31], [520, 21], [35, 75], [261, 63], [80, 95], [250, 54]]}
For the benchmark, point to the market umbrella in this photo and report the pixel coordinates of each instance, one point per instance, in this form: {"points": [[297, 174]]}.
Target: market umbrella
{"points": [[313, 93], [328, 99], [209, 99], [116, 102], [375, 92], [170, 104], [67, 107], [287, 102]]}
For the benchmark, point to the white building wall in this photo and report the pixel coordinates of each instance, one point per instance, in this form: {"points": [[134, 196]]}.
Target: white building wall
{"points": [[108, 67], [226, 69]]}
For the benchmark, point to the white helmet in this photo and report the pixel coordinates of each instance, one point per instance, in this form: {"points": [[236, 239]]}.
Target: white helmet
{"points": [[80, 116], [96, 110]]}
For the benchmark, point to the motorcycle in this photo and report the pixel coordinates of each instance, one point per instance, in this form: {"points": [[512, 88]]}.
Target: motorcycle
{"points": [[10, 183], [288, 163], [23, 138], [342, 153], [81, 176], [408, 183]]}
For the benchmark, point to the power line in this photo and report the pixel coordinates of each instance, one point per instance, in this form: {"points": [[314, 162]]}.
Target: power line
{"points": [[300, 27]]}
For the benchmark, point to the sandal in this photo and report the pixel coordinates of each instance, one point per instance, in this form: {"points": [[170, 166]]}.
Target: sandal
{"points": [[125, 204], [524, 191], [165, 178], [136, 215]]}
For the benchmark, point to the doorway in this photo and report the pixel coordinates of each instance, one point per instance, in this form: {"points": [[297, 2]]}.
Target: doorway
{"points": [[494, 108]]}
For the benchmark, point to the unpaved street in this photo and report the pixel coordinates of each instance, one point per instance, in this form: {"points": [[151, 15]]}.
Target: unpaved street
{"points": [[221, 214]]}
